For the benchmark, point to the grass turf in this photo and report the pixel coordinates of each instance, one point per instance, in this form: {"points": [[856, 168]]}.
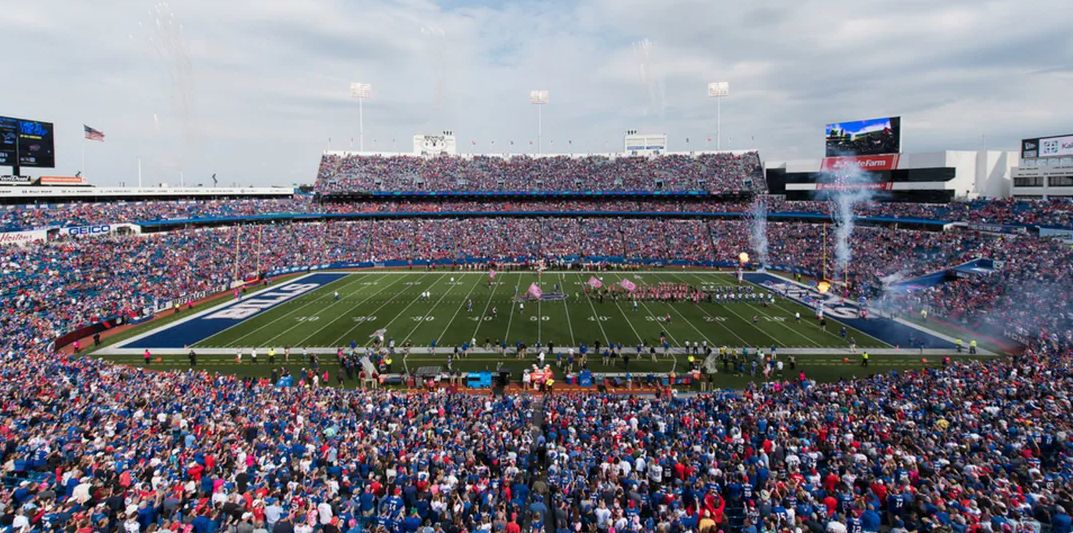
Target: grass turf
{"points": [[390, 301]]}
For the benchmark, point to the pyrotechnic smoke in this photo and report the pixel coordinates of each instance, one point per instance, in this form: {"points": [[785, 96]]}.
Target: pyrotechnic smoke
{"points": [[851, 187], [167, 39], [758, 228], [651, 77]]}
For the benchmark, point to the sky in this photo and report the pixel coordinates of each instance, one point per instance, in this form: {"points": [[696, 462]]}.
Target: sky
{"points": [[254, 91]]}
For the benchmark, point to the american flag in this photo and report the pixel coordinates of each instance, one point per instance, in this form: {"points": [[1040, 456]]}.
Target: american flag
{"points": [[92, 134]]}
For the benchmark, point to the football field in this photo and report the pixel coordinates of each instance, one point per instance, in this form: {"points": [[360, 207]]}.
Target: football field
{"points": [[321, 312], [449, 308]]}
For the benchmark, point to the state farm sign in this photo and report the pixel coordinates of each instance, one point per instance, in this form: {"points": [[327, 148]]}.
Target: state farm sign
{"points": [[862, 163]]}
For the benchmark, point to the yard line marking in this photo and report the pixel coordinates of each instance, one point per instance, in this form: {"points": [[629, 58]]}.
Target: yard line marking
{"points": [[760, 310], [457, 309], [716, 322], [781, 302], [513, 304], [688, 321], [538, 315], [487, 304], [336, 319], [311, 300], [416, 298], [628, 322], [649, 311], [562, 283], [730, 309], [424, 316], [342, 339], [597, 315]]}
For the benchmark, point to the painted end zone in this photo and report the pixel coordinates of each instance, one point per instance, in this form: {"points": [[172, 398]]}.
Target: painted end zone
{"points": [[884, 329], [205, 324]]}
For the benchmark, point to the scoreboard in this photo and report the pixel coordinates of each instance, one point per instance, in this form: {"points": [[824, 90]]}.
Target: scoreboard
{"points": [[26, 143]]}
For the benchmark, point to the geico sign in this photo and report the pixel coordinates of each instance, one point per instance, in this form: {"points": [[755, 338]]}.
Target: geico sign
{"points": [[85, 231]]}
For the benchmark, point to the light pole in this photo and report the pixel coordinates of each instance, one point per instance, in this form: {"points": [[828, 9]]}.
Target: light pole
{"points": [[718, 90], [539, 97], [361, 91]]}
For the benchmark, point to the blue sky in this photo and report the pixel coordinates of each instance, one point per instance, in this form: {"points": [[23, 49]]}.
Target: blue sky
{"points": [[253, 90]]}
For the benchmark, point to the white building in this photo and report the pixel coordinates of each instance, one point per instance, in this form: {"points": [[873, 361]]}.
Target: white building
{"points": [[1046, 168], [923, 177]]}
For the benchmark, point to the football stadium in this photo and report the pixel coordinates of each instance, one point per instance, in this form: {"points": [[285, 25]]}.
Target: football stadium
{"points": [[444, 267]]}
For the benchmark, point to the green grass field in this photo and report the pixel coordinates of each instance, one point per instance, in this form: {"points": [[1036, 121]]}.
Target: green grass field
{"points": [[391, 301]]}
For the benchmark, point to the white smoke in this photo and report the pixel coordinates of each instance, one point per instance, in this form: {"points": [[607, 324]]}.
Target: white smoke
{"points": [[850, 187], [894, 277], [167, 39], [651, 77], [757, 216]]}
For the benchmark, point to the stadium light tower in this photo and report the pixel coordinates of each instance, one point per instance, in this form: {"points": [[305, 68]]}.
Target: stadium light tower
{"points": [[361, 91], [718, 90], [539, 97]]}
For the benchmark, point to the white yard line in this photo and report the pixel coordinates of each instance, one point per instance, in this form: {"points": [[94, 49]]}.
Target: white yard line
{"points": [[569, 324], [656, 317], [342, 339], [400, 313], [426, 315], [513, 304], [226, 304], [336, 319], [765, 313], [312, 300], [457, 309], [491, 294], [597, 316]]}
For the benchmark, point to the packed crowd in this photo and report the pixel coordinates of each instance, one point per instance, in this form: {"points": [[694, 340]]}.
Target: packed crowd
{"points": [[96, 278], [972, 446], [19, 217], [715, 172], [88, 446]]}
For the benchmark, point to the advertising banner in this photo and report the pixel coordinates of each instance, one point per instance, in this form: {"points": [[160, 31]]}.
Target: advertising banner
{"points": [[863, 163], [22, 237], [10, 179], [98, 230], [63, 180], [1056, 146]]}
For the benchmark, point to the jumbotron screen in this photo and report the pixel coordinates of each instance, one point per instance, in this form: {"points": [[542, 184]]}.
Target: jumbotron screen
{"points": [[26, 143], [864, 137]]}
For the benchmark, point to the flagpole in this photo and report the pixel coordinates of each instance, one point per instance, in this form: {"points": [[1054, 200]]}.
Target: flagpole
{"points": [[83, 169], [139, 173]]}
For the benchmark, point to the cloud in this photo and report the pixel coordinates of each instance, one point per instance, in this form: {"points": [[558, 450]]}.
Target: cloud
{"points": [[269, 78]]}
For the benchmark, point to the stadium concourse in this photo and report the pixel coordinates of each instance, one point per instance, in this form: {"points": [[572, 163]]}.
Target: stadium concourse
{"points": [[969, 445]]}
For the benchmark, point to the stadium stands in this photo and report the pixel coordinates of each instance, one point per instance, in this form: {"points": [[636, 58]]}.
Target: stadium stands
{"points": [[1053, 213], [90, 446], [712, 172], [54, 287]]}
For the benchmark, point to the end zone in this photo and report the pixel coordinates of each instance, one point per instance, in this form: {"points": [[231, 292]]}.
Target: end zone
{"points": [[175, 336]]}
